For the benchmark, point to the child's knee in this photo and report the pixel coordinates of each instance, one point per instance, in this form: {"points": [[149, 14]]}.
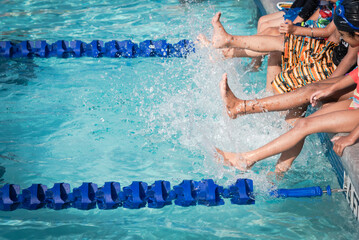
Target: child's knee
{"points": [[263, 26], [302, 124], [316, 86], [261, 20]]}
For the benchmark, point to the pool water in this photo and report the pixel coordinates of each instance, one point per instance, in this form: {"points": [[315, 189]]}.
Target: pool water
{"points": [[146, 119]]}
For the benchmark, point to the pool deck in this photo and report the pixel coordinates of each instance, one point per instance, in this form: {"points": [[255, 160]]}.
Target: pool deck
{"points": [[347, 166]]}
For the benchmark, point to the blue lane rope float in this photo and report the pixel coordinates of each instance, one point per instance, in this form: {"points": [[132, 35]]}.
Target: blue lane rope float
{"points": [[96, 49], [135, 196], [139, 194], [303, 192]]}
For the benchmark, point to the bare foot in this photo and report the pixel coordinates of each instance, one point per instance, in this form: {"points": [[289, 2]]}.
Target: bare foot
{"points": [[203, 41], [220, 38], [236, 160], [283, 167], [228, 52], [234, 105]]}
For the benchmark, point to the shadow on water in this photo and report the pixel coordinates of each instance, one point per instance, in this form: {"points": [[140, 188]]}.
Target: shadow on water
{"points": [[2, 172], [17, 71]]}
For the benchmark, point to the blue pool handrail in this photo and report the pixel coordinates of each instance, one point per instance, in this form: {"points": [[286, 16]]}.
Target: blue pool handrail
{"points": [[135, 196], [96, 49]]}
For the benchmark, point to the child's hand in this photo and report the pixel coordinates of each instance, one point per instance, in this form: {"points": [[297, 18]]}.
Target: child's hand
{"points": [[287, 27], [318, 95], [340, 143]]}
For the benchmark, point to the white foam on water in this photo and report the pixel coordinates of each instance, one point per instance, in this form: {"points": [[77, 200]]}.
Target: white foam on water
{"points": [[195, 116]]}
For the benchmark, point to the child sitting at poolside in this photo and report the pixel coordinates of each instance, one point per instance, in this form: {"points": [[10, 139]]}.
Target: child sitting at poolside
{"points": [[339, 117], [334, 118], [316, 59], [299, 12], [305, 59]]}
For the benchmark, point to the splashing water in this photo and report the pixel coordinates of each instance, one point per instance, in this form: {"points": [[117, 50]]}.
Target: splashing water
{"points": [[146, 119]]}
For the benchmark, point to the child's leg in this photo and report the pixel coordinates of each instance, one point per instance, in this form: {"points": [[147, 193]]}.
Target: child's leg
{"points": [[239, 52], [274, 23], [335, 118], [281, 102], [256, 62], [270, 20], [287, 157], [232, 52], [273, 69], [222, 39]]}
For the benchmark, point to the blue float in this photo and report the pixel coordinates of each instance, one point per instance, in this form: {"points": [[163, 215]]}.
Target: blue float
{"points": [[78, 47], [146, 49], [108, 196], [159, 194], [182, 48], [300, 192], [9, 200], [185, 193], [134, 196], [241, 192], [96, 49], [161, 48], [209, 193], [61, 49], [84, 197], [57, 197], [128, 49], [33, 198], [112, 49], [7, 49]]}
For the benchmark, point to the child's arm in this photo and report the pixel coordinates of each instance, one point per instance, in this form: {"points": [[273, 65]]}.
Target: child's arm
{"points": [[289, 27], [347, 62], [308, 9], [298, 20], [345, 82], [340, 143]]}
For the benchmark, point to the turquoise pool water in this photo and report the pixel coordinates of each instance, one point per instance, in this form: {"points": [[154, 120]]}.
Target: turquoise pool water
{"points": [[98, 120]]}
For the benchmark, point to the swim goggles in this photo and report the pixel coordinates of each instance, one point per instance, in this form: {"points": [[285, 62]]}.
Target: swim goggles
{"points": [[339, 10]]}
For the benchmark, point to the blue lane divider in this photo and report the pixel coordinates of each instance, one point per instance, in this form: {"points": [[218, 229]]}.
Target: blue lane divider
{"points": [[96, 49], [137, 195]]}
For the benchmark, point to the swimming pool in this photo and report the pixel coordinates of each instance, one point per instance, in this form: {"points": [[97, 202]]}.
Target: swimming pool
{"points": [[86, 119]]}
